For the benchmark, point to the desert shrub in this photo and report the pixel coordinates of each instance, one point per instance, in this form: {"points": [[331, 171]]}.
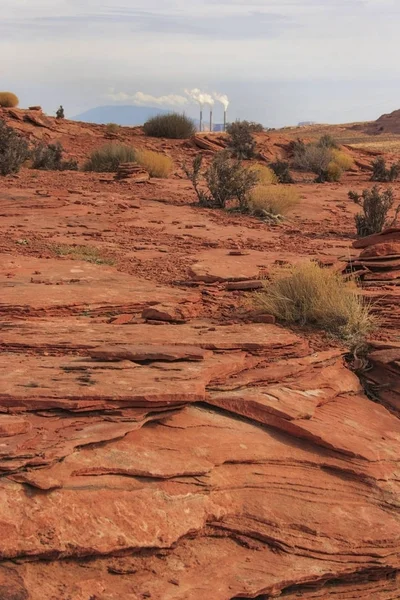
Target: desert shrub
{"points": [[381, 173], [172, 126], [298, 147], [376, 206], [265, 175], [60, 113], [308, 294], [313, 158], [343, 160], [8, 100], [14, 150], [282, 172], [333, 172], [327, 141], [158, 165], [251, 126], [265, 201], [228, 180], [112, 128], [108, 158], [241, 142], [195, 175], [50, 158]]}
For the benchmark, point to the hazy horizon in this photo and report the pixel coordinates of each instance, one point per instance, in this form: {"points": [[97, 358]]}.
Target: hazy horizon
{"points": [[280, 62]]}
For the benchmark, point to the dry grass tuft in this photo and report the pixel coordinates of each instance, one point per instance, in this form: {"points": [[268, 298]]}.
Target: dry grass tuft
{"points": [[87, 253], [265, 175], [158, 165], [8, 100], [343, 160], [108, 158], [308, 294], [272, 199]]}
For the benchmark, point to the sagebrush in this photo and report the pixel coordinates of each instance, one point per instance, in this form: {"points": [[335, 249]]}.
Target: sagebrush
{"points": [[308, 294], [14, 150], [241, 142], [376, 205], [172, 126], [50, 158], [382, 173], [281, 169], [108, 158]]}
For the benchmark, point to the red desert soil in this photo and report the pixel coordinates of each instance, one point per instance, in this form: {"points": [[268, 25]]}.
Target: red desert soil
{"points": [[156, 441]]}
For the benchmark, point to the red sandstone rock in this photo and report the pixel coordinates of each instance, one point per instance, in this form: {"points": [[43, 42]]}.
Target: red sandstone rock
{"points": [[384, 249], [149, 353]]}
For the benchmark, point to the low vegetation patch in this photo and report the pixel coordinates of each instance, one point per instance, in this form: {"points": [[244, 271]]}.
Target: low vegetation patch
{"points": [[265, 175], [241, 142], [8, 100], [158, 165], [322, 158], [14, 150], [172, 126], [86, 253], [112, 128], [380, 172], [272, 200], [376, 205], [281, 169], [108, 158], [308, 294], [226, 179], [50, 158]]}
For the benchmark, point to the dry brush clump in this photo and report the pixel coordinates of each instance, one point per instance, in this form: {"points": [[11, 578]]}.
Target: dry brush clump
{"points": [[376, 205], [157, 164], [50, 158], [108, 158], [172, 126], [225, 180], [14, 150], [308, 294], [241, 142], [322, 158], [8, 100], [269, 201], [265, 174], [382, 173], [281, 169]]}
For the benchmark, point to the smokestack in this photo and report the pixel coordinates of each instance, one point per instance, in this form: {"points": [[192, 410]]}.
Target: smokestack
{"points": [[201, 119], [211, 119], [224, 120]]}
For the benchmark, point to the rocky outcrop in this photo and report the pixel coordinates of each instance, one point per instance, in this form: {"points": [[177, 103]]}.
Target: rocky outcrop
{"points": [[132, 172]]}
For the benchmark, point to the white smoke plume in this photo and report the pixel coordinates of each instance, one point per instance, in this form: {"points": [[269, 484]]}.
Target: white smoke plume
{"points": [[223, 99], [142, 99], [200, 97]]}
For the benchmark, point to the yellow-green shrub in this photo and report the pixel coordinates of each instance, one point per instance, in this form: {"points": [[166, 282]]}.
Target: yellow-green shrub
{"points": [[109, 157], [8, 100], [310, 294], [334, 172], [112, 128], [272, 199], [158, 165], [265, 175], [343, 160]]}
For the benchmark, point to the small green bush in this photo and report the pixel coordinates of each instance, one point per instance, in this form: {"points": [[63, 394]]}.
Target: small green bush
{"points": [[8, 100], [14, 150], [108, 158], [241, 142], [172, 126], [282, 171], [50, 158], [376, 206], [383, 174]]}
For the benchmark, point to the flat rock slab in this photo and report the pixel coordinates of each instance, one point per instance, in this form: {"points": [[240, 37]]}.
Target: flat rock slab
{"points": [[220, 265], [55, 335], [33, 286], [136, 353]]}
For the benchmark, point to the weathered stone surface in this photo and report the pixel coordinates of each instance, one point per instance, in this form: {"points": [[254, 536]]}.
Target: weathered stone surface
{"points": [[149, 353]]}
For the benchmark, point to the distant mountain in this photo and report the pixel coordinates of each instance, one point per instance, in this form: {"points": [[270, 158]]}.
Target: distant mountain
{"points": [[121, 115]]}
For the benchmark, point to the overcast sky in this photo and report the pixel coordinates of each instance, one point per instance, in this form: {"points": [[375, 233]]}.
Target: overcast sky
{"points": [[280, 61]]}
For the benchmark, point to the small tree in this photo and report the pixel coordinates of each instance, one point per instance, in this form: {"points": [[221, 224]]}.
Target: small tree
{"points": [[381, 173], [60, 113], [281, 170], [241, 141], [376, 206], [14, 150]]}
